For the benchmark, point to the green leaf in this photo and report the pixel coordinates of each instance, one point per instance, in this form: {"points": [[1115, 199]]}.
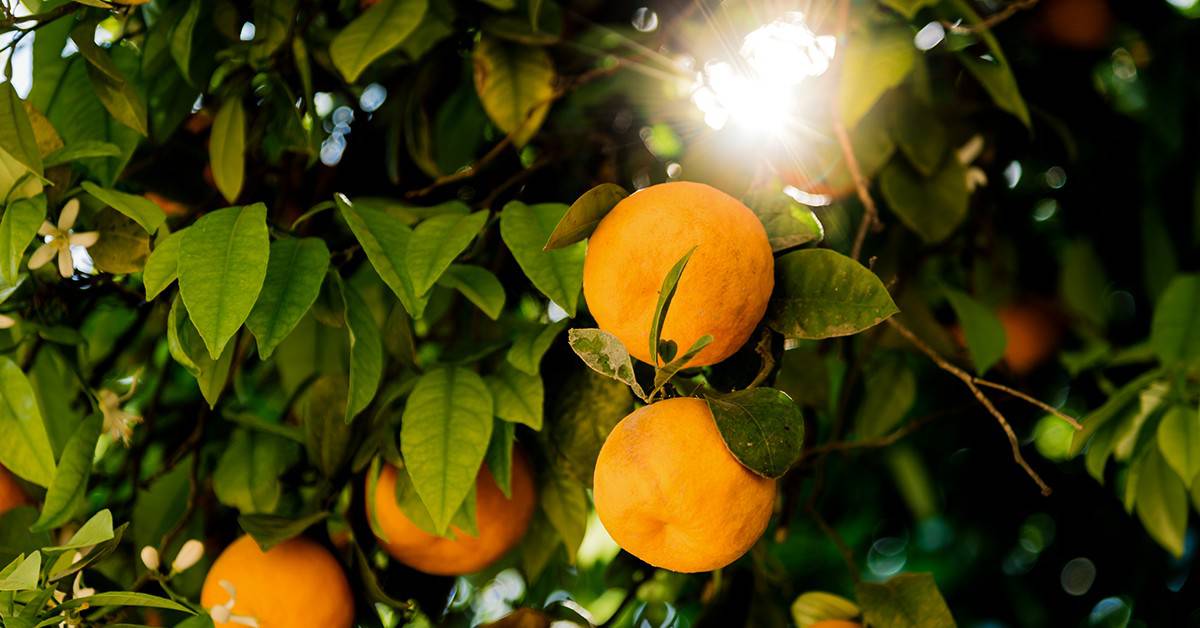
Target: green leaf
{"points": [[435, 244], [584, 409], [227, 148], [141, 209], [83, 149], [993, 73], [891, 391], [25, 576], [118, 95], [1178, 438], [908, 8], [932, 207], [247, 475], [1174, 332], [125, 598], [663, 374], [272, 20], [1116, 404], [876, 60], [557, 274], [909, 600], [666, 294], [820, 293], [271, 530], [565, 503], [371, 35], [788, 223], [17, 229], [517, 396], [817, 606], [529, 346], [478, 284], [25, 448], [605, 354], [499, 456], [921, 135], [295, 269], [1083, 285], [385, 240], [762, 427], [96, 530], [181, 39], [366, 352], [222, 266], [516, 85], [16, 132], [584, 215], [1162, 502], [444, 435], [71, 478], [186, 346], [162, 265], [322, 412], [984, 333]]}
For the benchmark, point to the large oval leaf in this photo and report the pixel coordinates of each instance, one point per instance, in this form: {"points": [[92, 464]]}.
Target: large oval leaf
{"points": [[1174, 333], [435, 244], [295, 269], [1162, 501], [821, 294], [446, 427], [141, 209], [372, 34], [25, 447], [227, 148], [222, 265], [585, 214], [385, 240], [558, 273], [515, 84], [762, 427]]}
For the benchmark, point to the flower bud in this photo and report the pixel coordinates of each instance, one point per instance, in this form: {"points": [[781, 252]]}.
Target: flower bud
{"points": [[188, 555], [150, 558]]}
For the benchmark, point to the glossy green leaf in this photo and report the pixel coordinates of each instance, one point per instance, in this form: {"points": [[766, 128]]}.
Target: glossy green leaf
{"points": [[295, 269], [932, 207], [24, 577], [71, 477], [820, 293], [94, 531], [444, 435], [762, 427], [478, 284], [585, 215], [1162, 502], [1178, 437], [141, 209], [1174, 332], [366, 353], [875, 61], [558, 274], [516, 85], [222, 266], [18, 226], [16, 132], [385, 240], [517, 396], [565, 503], [227, 148], [605, 354], [909, 600], [187, 348], [371, 35], [25, 449], [788, 223], [984, 333], [435, 244]]}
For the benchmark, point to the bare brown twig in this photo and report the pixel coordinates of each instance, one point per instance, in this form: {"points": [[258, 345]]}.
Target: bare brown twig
{"points": [[992, 20]]}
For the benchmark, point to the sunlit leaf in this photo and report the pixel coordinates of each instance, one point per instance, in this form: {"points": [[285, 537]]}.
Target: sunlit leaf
{"points": [[516, 85], [558, 274], [227, 148], [584, 215], [820, 293], [909, 600], [25, 448], [372, 34]]}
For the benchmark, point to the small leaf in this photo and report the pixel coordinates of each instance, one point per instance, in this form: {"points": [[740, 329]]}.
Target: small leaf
{"points": [[17, 228], [25, 576], [366, 352], [271, 530], [993, 72], [818, 606], [444, 435], [96, 530], [1162, 502], [385, 240], [932, 207], [16, 132], [909, 600], [1174, 333], [921, 135], [222, 266], [516, 85], [141, 209], [1178, 438], [605, 354], [71, 478], [565, 503], [371, 35], [584, 215], [499, 456], [118, 95], [247, 475], [665, 294], [125, 598], [664, 373], [25, 448], [181, 39], [295, 269], [478, 284], [187, 348], [820, 293], [982, 329], [762, 427], [322, 412], [876, 60], [123, 246], [227, 148], [529, 346], [435, 244], [162, 267], [517, 396], [558, 274]]}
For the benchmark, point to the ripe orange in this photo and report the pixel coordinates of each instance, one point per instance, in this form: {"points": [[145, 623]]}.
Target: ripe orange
{"points": [[11, 494], [502, 522], [1082, 24], [722, 292], [669, 492], [296, 584], [1032, 332]]}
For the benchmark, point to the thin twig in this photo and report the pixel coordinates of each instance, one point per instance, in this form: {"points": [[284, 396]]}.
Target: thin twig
{"points": [[870, 443], [763, 349], [992, 20], [1031, 400], [971, 384]]}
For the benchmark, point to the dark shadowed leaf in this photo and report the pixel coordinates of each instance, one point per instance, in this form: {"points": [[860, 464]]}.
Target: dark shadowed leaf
{"points": [[762, 427], [585, 214], [1174, 333], [982, 329], [372, 34], [271, 530], [904, 601], [516, 85]]}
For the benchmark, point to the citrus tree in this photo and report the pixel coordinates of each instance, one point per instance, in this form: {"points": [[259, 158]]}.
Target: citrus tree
{"points": [[449, 312]]}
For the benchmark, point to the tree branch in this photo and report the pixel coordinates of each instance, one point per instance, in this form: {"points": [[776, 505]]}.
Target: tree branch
{"points": [[992, 20]]}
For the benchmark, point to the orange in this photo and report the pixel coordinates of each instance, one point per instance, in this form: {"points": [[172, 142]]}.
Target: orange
{"points": [[1032, 333], [501, 521], [11, 494], [297, 584], [722, 292], [669, 492], [1081, 24]]}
